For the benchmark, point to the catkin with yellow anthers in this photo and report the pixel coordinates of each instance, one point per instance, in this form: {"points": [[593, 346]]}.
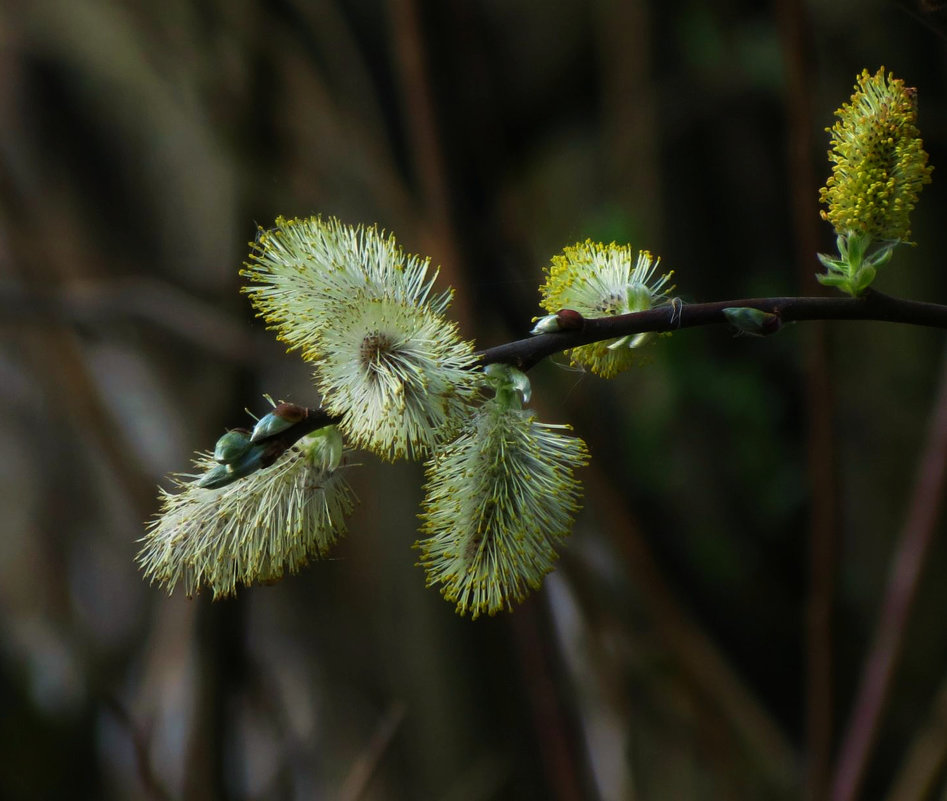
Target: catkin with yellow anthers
{"points": [[599, 280], [498, 500], [301, 270], [880, 162], [400, 377]]}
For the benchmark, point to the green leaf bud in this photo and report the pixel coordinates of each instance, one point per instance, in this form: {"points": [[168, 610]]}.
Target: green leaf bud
{"points": [[232, 445], [512, 386], [754, 322], [221, 475], [283, 416]]}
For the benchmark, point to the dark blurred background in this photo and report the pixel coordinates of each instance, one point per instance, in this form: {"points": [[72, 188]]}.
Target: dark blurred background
{"points": [[704, 635]]}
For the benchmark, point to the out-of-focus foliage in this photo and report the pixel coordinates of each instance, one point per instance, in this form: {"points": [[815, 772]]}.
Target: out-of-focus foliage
{"points": [[141, 143]]}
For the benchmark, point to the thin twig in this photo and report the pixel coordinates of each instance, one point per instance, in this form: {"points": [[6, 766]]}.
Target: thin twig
{"points": [[913, 544], [526, 353]]}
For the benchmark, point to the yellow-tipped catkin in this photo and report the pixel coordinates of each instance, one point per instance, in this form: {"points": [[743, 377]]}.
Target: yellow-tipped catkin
{"points": [[302, 269], [880, 162], [599, 280], [399, 376], [498, 501]]}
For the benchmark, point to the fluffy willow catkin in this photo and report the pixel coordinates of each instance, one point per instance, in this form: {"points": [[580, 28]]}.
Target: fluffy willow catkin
{"points": [[599, 280], [498, 500], [387, 361], [252, 530], [879, 160], [400, 378]]}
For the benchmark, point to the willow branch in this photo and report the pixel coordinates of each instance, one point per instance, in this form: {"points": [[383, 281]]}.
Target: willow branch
{"points": [[527, 353]]}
